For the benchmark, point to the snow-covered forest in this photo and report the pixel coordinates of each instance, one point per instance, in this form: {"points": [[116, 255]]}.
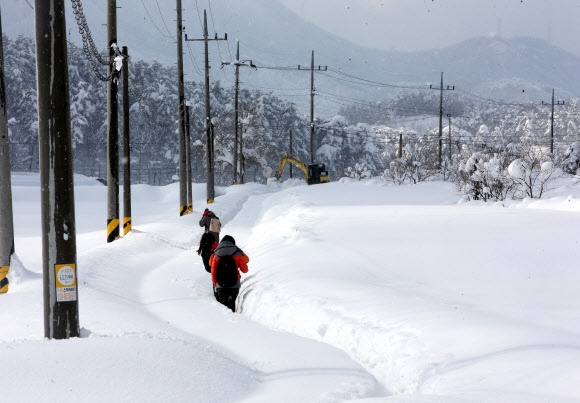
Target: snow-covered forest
{"points": [[360, 141]]}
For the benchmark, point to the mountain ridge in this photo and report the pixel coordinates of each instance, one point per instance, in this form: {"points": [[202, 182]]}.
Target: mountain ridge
{"points": [[515, 69]]}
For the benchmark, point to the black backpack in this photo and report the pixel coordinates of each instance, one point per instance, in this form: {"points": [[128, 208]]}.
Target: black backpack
{"points": [[226, 272]]}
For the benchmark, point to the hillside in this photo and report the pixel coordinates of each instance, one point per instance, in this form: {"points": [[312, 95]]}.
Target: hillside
{"points": [[271, 35]]}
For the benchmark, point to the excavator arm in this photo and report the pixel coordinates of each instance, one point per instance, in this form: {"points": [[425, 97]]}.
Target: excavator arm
{"points": [[293, 160]]}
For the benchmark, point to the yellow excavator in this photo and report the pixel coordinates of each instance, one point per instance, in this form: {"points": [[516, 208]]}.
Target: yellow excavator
{"points": [[314, 173]]}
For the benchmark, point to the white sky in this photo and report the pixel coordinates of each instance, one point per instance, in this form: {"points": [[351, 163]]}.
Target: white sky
{"points": [[410, 25]]}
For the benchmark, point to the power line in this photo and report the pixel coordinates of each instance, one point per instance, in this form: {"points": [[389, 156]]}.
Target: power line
{"points": [[375, 82], [491, 100], [193, 60], [153, 22], [377, 106], [163, 20]]}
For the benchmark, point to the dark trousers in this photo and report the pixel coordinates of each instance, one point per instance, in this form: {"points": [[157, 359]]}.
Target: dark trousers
{"points": [[227, 296], [206, 262]]}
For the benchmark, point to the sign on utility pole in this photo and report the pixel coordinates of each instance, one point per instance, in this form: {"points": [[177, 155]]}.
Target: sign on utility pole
{"points": [[61, 314]]}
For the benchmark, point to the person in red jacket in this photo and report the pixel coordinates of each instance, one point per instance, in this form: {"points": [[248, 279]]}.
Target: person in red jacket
{"points": [[226, 263]]}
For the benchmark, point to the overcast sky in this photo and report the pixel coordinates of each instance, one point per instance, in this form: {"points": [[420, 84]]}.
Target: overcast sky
{"points": [[427, 24]]}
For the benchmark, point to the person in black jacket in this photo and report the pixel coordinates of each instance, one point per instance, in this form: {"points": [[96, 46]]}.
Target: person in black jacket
{"points": [[207, 245]]}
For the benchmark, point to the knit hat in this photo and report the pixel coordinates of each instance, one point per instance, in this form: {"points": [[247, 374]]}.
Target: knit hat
{"points": [[229, 238]]}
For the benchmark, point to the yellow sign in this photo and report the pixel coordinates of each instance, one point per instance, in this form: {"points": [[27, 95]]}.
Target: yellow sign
{"points": [[66, 282]]}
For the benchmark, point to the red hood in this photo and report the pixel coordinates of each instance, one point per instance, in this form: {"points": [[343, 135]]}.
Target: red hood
{"points": [[206, 213]]}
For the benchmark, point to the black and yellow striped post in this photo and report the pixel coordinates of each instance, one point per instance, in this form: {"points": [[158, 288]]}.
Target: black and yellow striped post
{"points": [[4, 279], [182, 210], [112, 230], [126, 225]]}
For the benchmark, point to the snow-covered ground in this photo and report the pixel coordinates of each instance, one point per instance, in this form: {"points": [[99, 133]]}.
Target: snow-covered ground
{"points": [[356, 291]]}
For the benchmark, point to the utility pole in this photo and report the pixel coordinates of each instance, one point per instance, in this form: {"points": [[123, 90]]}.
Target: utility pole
{"points": [[291, 152], [242, 159], [112, 129], [183, 206], [237, 63], [552, 120], [208, 125], [126, 147], [450, 154], [188, 163], [441, 115], [6, 213], [401, 145], [61, 315], [311, 69]]}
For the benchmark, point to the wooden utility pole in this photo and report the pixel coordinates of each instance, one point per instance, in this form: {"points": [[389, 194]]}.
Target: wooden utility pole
{"points": [[126, 147], [237, 63], [6, 213], [311, 69], [208, 125], [61, 315], [112, 129], [188, 162], [441, 89], [183, 206], [552, 120]]}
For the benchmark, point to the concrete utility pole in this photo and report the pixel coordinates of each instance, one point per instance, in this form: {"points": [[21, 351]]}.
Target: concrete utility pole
{"points": [[311, 69], [552, 120], [441, 116], [61, 315], [188, 158], [400, 145], [208, 125], [450, 154], [112, 129], [291, 152], [6, 217], [183, 206], [126, 147], [237, 63], [242, 159]]}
